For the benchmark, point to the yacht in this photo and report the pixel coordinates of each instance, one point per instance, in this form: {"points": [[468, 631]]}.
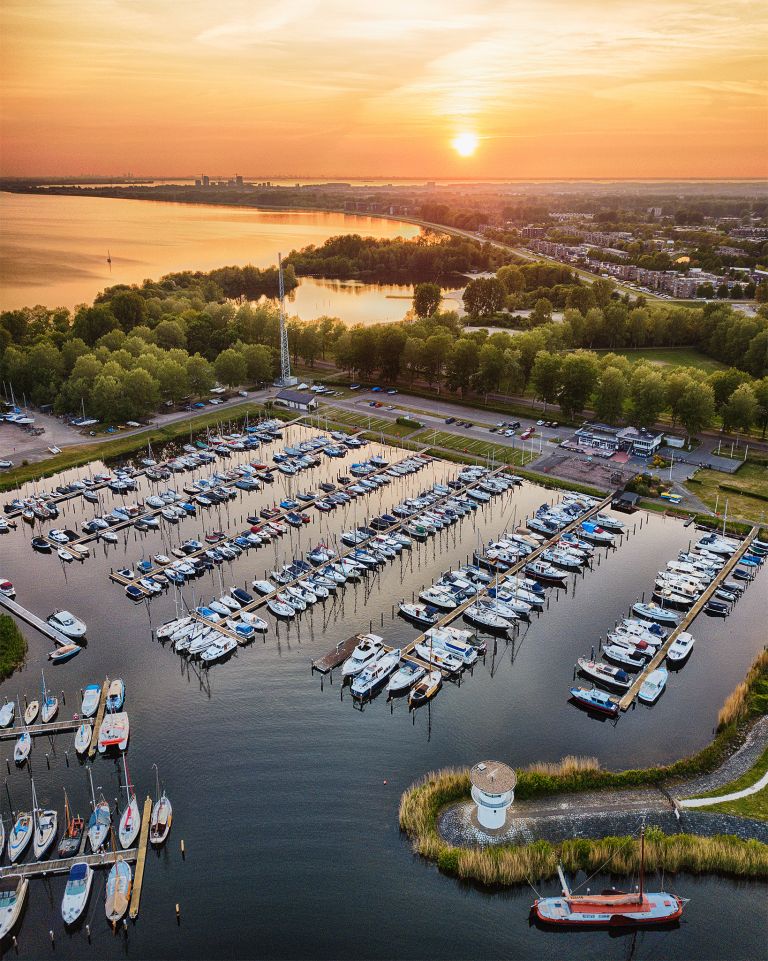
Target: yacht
{"points": [[76, 892], [652, 687], [371, 678], [369, 648], [404, 678], [13, 895], [67, 624], [681, 648]]}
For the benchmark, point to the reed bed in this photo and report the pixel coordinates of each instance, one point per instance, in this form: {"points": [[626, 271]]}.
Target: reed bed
{"points": [[750, 697], [13, 646], [570, 764]]}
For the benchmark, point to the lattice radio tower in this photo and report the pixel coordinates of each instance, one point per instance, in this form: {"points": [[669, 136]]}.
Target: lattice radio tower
{"points": [[285, 379]]}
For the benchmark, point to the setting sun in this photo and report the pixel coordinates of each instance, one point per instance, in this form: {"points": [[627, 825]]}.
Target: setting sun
{"points": [[465, 144]]}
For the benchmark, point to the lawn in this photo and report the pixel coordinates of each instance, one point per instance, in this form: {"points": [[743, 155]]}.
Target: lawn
{"points": [[670, 357], [352, 418], [750, 479], [470, 445], [752, 806]]}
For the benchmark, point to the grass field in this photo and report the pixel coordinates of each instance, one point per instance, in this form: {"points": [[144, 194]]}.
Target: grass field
{"points": [[670, 357], [752, 806], [750, 479], [352, 418], [469, 445]]}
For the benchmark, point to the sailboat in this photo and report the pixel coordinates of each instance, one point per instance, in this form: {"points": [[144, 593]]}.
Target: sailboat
{"points": [[20, 836], [83, 737], [31, 711], [99, 821], [45, 826], [162, 816], [611, 908], [23, 743], [130, 819], [50, 704], [425, 689], [69, 844], [118, 892]]}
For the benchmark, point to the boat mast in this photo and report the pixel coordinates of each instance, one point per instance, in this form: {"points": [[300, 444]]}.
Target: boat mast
{"points": [[642, 861]]}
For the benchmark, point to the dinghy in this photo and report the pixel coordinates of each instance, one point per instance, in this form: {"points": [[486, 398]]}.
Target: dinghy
{"points": [[64, 653], [76, 892]]}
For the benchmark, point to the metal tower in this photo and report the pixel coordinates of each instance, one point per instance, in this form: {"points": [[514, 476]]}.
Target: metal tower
{"points": [[285, 379]]}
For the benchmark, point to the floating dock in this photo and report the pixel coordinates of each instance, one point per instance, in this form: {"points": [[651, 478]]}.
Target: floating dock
{"points": [[687, 620], [38, 623], [40, 869], [99, 718], [37, 730], [337, 656], [138, 877]]}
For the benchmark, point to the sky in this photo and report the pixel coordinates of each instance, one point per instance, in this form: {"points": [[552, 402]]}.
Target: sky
{"points": [[403, 88]]}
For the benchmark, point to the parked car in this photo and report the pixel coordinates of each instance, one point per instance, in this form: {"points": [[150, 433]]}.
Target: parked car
{"points": [[392, 390], [354, 386], [450, 420], [376, 390]]}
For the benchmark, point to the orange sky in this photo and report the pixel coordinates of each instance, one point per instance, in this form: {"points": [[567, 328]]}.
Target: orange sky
{"points": [[572, 88]]}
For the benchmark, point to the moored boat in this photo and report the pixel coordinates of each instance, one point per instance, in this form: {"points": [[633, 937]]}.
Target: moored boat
{"points": [[605, 674], [425, 689], [91, 698], [595, 700], [119, 883], [652, 687], [76, 892], [13, 894]]}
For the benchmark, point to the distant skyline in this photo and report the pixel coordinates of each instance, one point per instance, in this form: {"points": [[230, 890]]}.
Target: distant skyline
{"points": [[424, 89]]}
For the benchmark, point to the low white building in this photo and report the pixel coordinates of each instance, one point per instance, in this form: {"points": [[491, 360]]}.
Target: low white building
{"points": [[493, 790], [296, 400]]}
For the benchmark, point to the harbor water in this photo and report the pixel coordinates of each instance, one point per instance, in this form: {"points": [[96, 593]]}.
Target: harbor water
{"points": [[287, 797]]}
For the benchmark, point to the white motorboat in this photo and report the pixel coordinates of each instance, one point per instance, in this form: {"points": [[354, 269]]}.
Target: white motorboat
{"points": [[371, 678], [20, 836], [605, 674], [13, 895], [652, 687], [420, 613], [253, 620], [263, 587], [22, 747], [368, 649], [438, 598], [405, 677], [65, 555], [680, 648], [77, 892], [114, 732], [486, 618], [83, 737], [448, 642], [91, 698], [67, 624], [438, 657]]}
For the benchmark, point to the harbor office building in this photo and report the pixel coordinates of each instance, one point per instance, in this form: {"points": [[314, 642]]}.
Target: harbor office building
{"points": [[606, 441], [296, 400]]}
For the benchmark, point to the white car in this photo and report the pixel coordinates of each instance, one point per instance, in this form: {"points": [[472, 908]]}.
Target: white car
{"points": [[539, 423], [5, 464]]}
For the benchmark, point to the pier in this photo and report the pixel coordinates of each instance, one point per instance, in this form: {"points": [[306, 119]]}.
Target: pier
{"points": [[37, 730], [41, 869], [336, 656], [138, 877], [99, 718], [629, 697], [32, 619]]}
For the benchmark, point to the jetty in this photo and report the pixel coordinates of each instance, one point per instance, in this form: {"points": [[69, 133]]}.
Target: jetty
{"points": [[138, 877], [99, 718], [41, 869], [336, 656], [628, 698], [37, 730], [34, 621]]}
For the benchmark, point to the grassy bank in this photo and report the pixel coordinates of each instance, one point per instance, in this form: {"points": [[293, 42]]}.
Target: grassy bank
{"points": [[124, 445], [751, 806], [422, 803], [500, 453], [13, 647], [746, 491]]}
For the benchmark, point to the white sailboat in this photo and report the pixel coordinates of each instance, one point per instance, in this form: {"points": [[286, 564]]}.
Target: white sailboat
{"points": [[45, 826], [99, 822], [50, 704], [130, 819], [162, 816]]}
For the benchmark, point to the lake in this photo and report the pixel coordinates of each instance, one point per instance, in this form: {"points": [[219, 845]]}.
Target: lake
{"points": [[53, 250], [287, 797]]}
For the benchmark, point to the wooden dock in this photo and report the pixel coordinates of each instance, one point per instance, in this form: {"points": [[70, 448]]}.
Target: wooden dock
{"points": [[37, 730], [99, 718], [138, 876], [337, 656], [39, 869], [32, 619], [687, 620]]}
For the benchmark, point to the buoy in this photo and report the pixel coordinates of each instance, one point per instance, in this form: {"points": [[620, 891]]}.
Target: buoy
{"points": [[385, 781], [182, 847]]}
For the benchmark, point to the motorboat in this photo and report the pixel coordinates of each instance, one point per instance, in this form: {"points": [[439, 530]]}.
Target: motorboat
{"points": [[13, 895], [595, 534], [446, 640], [626, 657], [22, 747], [594, 699], [7, 712], [253, 620], [83, 737], [76, 892], [439, 657], [7, 589], [91, 699], [486, 618], [64, 653], [368, 649], [371, 678], [20, 836], [545, 572], [605, 674], [119, 883], [680, 649], [218, 649], [653, 612], [404, 678], [419, 613], [116, 695], [263, 587], [652, 687], [436, 597], [611, 908], [425, 689], [67, 624], [114, 732]]}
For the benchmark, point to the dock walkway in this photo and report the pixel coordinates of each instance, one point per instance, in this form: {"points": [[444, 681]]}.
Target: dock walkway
{"points": [[36, 730], [32, 619], [39, 869], [686, 622], [138, 877]]}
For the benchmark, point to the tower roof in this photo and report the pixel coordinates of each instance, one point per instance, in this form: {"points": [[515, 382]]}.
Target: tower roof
{"points": [[493, 777]]}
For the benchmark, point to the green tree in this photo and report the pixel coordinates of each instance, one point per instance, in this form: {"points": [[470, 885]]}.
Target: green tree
{"points": [[463, 364], [741, 409], [602, 289], [581, 298], [611, 394], [546, 376], [724, 383], [541, 313], [578, 375], [647, 396], [696, 407], [435, 354], [129, 307], [259, 362], [91, 323], [200, 375], [760, 387], [172, 380], [141, 393], [230, 368], [426, 299], [512, 279], [170, 334]]}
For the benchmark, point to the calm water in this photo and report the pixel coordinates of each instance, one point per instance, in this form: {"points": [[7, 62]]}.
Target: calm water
{"points": [[53, 250], [287, 797]]}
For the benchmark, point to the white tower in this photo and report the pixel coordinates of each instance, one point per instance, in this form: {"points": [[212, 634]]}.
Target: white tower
{"points": [[285, 379], [493, 790]]}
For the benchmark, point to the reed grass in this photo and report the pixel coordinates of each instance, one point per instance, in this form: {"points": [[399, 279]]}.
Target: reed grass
{"points": [[570, 764], [750, 698], [13, 646]]}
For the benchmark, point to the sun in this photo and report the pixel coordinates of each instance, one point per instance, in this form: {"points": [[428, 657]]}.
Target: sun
{"points": [[465, 144]]}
